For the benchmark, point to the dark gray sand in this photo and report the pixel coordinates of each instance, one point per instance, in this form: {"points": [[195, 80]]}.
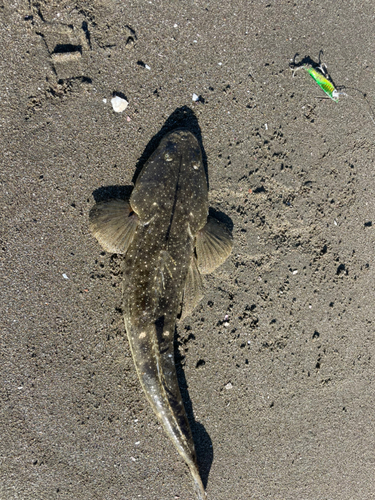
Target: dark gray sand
{"points": [[277, 362]]}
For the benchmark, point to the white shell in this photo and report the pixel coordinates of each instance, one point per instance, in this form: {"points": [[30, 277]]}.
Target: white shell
{"points": [[195, 97], [119, 104]]}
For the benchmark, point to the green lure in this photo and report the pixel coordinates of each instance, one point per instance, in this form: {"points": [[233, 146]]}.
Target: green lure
{"points": [[324, 84]]}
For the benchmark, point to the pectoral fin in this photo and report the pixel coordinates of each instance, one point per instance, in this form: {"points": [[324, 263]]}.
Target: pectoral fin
{"points": [[213, 245], [113, 224], [193, 291]]}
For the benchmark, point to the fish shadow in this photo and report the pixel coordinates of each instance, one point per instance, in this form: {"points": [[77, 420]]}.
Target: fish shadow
{"points": [[106, 193], [309, 61], [201, 438]]}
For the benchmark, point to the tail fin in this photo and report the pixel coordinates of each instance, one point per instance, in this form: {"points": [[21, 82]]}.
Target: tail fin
{"points": [[198, 485]]}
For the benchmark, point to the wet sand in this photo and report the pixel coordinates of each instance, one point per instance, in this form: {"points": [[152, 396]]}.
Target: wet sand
{"points": [[276, 364]]}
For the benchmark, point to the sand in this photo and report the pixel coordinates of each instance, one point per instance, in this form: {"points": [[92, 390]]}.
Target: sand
{"points": [[276, 364]]}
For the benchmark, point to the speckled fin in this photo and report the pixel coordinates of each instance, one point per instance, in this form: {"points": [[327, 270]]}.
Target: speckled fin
{"points": [[213, 245], [193, 291], [113, 224]]}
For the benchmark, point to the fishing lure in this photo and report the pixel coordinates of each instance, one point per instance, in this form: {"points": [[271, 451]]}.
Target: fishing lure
{"points": [[319, 73], [324, 83]]}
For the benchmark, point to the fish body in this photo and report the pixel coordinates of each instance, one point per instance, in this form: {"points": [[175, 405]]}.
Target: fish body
{"points": [[168, 240]]}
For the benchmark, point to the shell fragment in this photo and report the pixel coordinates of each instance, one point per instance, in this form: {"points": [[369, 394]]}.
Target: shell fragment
{"points": [[119, 104]]}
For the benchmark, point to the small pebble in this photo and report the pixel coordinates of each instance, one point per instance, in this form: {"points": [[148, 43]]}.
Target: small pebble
{"points": [[119, 104], [105, 101], [147, 66], [229, 386], [65, 276], [266, 126], [295, 271], [195, 97]]}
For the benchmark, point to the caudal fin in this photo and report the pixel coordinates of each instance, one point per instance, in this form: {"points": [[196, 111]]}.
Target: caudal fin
{"points": [[198, 485]]}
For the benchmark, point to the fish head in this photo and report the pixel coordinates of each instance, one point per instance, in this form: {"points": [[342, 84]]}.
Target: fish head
{"points": [[173, 180], [181, 145]]}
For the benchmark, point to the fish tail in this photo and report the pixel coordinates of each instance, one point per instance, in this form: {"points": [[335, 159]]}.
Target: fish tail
{"points": [[198, 485]]}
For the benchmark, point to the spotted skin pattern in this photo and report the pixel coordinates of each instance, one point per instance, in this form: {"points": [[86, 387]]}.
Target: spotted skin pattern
{"points": [[166, 213]]}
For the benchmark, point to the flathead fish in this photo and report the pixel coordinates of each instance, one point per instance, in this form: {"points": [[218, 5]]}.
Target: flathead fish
{"points": [[168, 240]]}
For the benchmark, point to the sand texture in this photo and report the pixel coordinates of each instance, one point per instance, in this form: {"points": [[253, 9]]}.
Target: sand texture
{"points": [[276, 364]]}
